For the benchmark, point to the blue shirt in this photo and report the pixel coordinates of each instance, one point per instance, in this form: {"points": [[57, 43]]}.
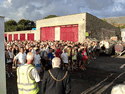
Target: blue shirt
{"points": [[50, 56]]}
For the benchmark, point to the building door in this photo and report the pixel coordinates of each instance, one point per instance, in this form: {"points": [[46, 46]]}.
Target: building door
{"points": [[30, 36], [15, 36], [10, 37], [64, 36], [22, 37], [70, 36], [69, 33], [47, 33]]}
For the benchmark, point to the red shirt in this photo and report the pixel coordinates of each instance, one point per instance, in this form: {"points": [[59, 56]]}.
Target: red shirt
{"points": [[84, 55], [58, 53]]}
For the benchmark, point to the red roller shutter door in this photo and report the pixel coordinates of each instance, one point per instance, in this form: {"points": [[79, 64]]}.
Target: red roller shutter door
{"points": [[69, 33], [22, 37], [15, 36], [48, 33], [10, 37], [30, 36]]}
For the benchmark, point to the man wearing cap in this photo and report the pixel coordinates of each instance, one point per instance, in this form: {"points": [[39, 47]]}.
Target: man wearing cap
{"points": [[56, 81]]}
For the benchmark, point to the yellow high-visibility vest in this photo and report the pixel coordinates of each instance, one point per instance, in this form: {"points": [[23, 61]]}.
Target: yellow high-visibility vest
{"points": [[26, 84], [74, 57], [69, 50]]}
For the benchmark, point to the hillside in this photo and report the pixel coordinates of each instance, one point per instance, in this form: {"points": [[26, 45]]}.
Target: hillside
{"points": [[118, 20]]}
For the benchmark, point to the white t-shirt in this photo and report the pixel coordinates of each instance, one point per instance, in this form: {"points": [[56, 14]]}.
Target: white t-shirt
{"points": [[37, 59], [35, 74], [85, 53], [21, 57], [64, 57], [98, 46], [11, 56], [47, 50], [93, 48], [33, 51], [41, 50]]}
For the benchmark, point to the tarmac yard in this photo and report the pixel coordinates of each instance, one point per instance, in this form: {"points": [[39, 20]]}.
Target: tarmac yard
{"points": [[99, 78]]}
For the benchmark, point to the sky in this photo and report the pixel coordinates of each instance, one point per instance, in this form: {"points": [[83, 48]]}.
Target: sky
{"points": [[38, 9]]}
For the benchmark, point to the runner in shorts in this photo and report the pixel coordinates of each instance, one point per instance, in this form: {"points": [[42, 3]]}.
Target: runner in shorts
{"points": [[37, 61]]}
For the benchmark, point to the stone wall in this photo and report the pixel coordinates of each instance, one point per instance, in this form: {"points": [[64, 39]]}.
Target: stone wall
{"points": [[100, 29]]}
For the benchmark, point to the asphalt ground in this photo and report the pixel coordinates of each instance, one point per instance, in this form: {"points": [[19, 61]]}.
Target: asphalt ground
{"points": [[99, 78]]}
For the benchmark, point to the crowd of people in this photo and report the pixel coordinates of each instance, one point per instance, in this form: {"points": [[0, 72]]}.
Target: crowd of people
{"points": [[73, 55], [50, 57], [53, 58]]}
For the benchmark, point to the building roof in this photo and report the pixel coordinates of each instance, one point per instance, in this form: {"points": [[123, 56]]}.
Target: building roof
{"points": [[63, 16]]}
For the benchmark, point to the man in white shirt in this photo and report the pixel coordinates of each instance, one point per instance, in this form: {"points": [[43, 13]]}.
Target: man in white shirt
{"points": [[47, 48], [33, 50], [37, 61], [64, 57], [21, 57]]}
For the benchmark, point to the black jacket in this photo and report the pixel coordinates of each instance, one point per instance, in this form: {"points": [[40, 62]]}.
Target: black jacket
{"points": [[51, 86]]}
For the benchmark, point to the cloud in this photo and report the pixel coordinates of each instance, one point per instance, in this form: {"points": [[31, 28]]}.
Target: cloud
{"points": [[38, 9]]}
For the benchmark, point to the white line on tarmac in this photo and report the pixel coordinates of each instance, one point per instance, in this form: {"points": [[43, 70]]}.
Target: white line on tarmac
{"points": [[122, 66], [88, 90], [106, 86]]}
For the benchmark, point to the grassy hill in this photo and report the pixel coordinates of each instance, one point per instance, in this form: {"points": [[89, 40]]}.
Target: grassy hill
{"points": [[116, 21]]}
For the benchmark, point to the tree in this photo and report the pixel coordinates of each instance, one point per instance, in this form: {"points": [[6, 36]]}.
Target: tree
{"points": [[22, 24], [20, 27], [10, 25], [11, 22], [49, 16], [27, 24]]}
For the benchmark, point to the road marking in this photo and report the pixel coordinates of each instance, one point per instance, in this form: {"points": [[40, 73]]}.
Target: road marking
{"points": [[97, 89], [90, 89], [122, 66], [106, 86]]}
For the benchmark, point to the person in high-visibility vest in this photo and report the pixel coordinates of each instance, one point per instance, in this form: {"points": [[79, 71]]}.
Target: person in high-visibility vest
{"points": [[28, 77]]}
